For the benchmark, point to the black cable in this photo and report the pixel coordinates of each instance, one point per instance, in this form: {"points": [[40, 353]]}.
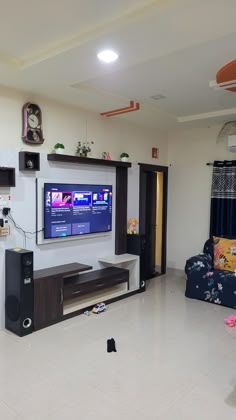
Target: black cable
{"points": [[21, 229]]}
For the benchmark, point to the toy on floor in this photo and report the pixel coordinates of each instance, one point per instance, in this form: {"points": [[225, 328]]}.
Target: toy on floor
{"points": [[99, 307], [111, 345], [231, 321]]}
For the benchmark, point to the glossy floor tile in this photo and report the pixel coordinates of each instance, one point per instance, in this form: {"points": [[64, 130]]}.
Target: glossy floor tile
{"points": [[175, 360]]}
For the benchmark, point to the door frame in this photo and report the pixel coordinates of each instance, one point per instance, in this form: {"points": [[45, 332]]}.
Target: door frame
{"points": [[143, 168]]}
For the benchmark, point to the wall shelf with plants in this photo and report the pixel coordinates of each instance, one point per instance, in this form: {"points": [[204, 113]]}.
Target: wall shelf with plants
{"points": [[53, 157]]}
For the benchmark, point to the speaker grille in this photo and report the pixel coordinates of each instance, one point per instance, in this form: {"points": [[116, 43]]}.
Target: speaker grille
{"points": [[12, 308]]}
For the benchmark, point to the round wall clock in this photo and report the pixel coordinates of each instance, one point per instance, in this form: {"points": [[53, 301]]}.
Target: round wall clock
{"points": [[32, 124]]}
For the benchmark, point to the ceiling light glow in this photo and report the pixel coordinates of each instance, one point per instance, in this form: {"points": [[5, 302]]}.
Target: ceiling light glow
{"points": [[107, 56]]}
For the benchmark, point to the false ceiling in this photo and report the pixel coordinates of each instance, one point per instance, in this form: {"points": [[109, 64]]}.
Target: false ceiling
{"points": [[168, 48]]}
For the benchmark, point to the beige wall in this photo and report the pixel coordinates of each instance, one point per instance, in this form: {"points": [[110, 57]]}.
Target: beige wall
{"points": [[67, 124], [189, 189]]}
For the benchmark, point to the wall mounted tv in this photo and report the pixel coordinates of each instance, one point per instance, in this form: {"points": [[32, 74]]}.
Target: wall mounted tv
{"points": [[76, 209]]}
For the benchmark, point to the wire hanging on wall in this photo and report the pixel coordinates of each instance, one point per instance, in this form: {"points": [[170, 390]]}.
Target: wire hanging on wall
{"points": [[228, 129]]}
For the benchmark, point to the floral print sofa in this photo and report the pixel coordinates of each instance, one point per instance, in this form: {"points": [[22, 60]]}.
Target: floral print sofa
{"points": [[205, 283]]}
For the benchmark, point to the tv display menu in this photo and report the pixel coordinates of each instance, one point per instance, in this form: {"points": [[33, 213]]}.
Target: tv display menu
{"points": [[76, 209]]}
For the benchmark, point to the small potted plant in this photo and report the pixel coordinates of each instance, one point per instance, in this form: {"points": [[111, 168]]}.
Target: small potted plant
{"points": [[124, 157], [83, 148], [59, 148]]}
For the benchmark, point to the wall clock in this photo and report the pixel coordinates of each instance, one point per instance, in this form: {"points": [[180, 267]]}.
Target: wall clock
{"points": [[32, 124]]}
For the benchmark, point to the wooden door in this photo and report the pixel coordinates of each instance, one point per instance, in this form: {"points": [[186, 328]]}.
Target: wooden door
{"points": [[147, 215], [48, 301], [151, 222]]}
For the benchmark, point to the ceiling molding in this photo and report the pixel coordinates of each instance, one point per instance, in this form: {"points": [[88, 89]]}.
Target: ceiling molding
{"points": [[92, 32], [11, 61], [90, 89], [207, 115]]}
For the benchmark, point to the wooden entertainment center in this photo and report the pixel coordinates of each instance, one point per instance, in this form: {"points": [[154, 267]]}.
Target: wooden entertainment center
{"points": [[62, 292], [53, 294]]}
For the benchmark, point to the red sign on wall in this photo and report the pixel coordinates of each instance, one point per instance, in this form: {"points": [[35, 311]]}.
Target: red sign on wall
{"points": [[155, 153]]}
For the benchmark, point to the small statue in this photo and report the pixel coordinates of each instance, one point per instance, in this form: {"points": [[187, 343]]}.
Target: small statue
{"points": [[132, 226], [106, 156]]}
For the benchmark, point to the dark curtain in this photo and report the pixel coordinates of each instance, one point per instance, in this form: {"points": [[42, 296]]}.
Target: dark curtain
{"points": [[223, 199]]}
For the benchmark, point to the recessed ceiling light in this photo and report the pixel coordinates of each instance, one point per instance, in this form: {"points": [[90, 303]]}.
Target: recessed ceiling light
{"points": [[108, 56]]}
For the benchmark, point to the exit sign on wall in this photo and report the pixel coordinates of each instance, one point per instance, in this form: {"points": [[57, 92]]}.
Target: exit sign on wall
{"points": [[155, 153]]}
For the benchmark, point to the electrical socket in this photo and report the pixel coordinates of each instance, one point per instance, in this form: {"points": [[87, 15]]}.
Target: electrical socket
{"points": [[5, 231], [5, 201]]}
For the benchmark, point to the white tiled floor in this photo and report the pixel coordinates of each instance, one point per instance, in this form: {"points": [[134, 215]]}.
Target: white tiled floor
{"points": [[175, 360]]}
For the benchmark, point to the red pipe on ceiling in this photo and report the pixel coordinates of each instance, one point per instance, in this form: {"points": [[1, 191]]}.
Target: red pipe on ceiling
{"points": [[119, 111]]}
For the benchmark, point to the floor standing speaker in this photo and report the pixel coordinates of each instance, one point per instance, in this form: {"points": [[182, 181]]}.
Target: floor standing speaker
{"points": [[19, 301]]}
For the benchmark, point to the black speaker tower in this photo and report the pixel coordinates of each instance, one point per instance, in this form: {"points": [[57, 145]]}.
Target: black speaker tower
{"points": [[19, 303]]}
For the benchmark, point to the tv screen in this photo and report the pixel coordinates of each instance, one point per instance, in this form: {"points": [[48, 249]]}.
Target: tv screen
{"points": [[76, 209]]}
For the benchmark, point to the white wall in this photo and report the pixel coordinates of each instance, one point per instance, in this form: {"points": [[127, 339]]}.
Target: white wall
{"points": [[66, 125], [189, 189]]}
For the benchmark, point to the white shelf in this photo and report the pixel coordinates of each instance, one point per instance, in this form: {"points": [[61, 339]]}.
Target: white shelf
{"points": [[129, 262], [118, 259]]}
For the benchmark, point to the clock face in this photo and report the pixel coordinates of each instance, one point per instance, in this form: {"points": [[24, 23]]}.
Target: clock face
{"points": [[33, 121]]}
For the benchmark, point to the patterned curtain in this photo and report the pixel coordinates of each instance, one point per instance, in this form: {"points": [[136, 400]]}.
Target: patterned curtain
{"points": [[223, 199]]}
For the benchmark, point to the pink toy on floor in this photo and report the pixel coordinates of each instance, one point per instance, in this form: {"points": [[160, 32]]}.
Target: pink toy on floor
{"points": [[231, 321]]}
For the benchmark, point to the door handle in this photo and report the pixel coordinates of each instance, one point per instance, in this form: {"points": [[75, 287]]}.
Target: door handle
{"points": [[76, 292], [61, 296]]}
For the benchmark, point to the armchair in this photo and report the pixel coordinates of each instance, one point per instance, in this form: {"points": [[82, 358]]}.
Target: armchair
{"points": [[206, 283]]}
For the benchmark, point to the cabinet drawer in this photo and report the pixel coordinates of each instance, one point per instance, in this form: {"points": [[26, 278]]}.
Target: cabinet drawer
{"points": [[77, 289]]}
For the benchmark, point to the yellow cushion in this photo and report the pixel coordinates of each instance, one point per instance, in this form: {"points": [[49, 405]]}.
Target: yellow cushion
{"points": [[224, 254]]}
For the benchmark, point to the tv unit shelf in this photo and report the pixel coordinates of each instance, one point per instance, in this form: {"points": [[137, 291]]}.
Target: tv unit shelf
{"points": [[62, 291], [29, 161], [7, 177], [96, 280], [53, 157], [74, 307], [126, 261], [48, 293], [61, 271]]}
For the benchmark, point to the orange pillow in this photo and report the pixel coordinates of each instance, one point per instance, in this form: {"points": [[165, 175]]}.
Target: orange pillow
{"points": [[224, 254]]}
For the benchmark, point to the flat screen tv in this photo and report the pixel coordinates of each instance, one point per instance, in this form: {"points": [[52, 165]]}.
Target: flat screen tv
{"points": [[76, 209]]}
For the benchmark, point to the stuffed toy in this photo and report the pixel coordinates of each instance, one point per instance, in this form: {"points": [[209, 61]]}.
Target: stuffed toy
{"points": [[231, 321], [132, 226]]}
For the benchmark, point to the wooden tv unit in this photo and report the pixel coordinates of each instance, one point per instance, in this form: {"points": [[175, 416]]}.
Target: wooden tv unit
{"points": [[62, 291]]}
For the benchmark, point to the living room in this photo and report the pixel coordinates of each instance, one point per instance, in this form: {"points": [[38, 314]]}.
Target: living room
{"points": [[98, 336]]}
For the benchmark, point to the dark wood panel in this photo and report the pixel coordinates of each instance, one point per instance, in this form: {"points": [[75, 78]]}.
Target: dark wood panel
{"points": [[25, 156], [95, 280], [61, 270], [7, 177], [92, 276], [53, 157], [164, 222], [48, 302], [121, 210], [150, 229]]}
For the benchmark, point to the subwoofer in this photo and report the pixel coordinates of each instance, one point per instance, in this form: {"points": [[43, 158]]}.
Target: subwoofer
{"points": [[19, 302]]}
